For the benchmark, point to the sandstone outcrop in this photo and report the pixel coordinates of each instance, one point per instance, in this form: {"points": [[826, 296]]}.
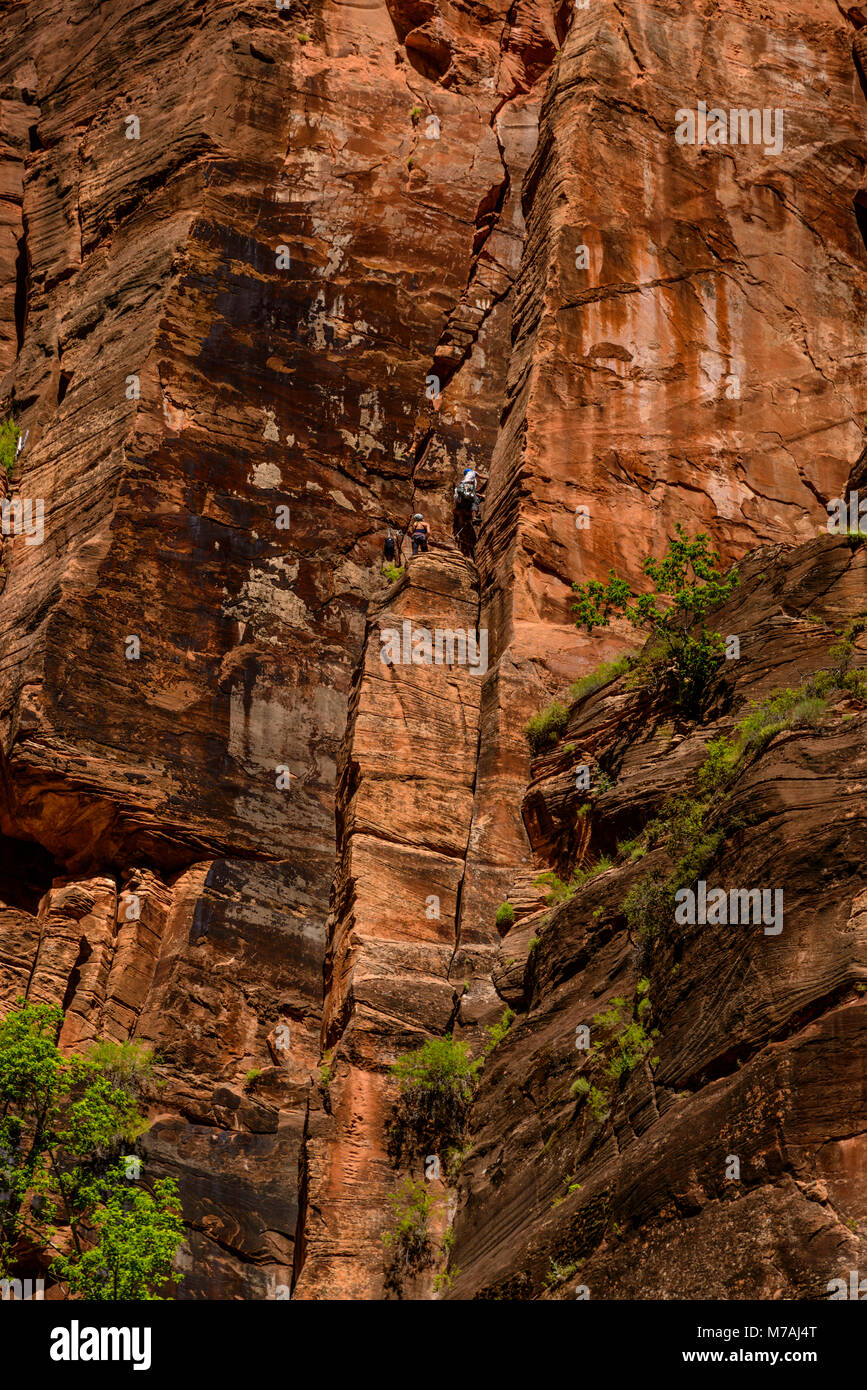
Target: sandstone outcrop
{"points": [[760, 1034], [269, 279]]}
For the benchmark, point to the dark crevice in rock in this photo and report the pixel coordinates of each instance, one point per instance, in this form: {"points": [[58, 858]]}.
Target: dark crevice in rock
{"points": [[860, 205], [22, 280], [84, 954], [26, 873], [460, 891], [300, 1245]]}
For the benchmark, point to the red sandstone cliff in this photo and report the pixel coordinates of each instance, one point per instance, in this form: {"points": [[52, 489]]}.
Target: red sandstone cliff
{"points": [[219, 336]]}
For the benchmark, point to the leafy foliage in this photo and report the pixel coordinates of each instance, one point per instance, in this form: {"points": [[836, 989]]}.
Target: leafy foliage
{"points": [[9, 436], [625, 1043], [786, 709], [687, 585], [392, 572], [436, 1091], [544, 729], [604, 674], [682, 827], [498, 1031], [692, 827], [559, 890], [63, 1124], [325, 1069], [407, 1241], [505, 917], [137, 1236]]}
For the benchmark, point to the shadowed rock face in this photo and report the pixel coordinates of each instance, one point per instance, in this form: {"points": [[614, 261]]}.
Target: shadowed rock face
{"points": [[760, 1024], [268, 281]]}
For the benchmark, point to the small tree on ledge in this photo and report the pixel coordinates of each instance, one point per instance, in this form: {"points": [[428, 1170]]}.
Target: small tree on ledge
{"points": [[688, 583]]}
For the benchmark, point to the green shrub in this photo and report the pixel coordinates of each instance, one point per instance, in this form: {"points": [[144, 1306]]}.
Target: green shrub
{"points": [[690, 584], [558, 1273], [408, 1244], [625, 1043], [631, 1044], [546, 727], [445, 1279], [533, 943], [325, 1069], [684, 824], [436, 1091], [252, 1077], [596, 1098], [721, 757], [505, 917], [649, 906], [841, 676], [498, 1031], [128, 1065], [453, 1158], [604, 673], [560, 891], [632, 849], [9, 436], [392, 572], [786, 709]]}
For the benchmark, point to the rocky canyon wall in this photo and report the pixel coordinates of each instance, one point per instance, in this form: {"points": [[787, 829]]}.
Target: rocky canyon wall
{"points": [[269, 279]]}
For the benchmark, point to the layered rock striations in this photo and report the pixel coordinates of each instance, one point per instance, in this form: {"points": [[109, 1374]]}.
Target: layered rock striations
{"points": [[712, 1166], [269, 279]]}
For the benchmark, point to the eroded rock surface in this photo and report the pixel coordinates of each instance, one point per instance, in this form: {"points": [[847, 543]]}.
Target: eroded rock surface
{"points": [[269, 279], [761, 1030]]}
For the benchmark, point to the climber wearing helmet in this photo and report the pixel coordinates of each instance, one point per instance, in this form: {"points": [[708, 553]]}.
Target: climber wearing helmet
{"points": [[466, 490], [419, 533]]}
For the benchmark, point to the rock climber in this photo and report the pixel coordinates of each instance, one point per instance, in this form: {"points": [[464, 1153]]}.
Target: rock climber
{"points": [[389, 549], [467, 490], [419, 533]]}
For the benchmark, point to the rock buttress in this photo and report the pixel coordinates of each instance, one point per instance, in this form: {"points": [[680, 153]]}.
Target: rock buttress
{"points": [[219, 441], [396, 967], [730, 1161]]}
